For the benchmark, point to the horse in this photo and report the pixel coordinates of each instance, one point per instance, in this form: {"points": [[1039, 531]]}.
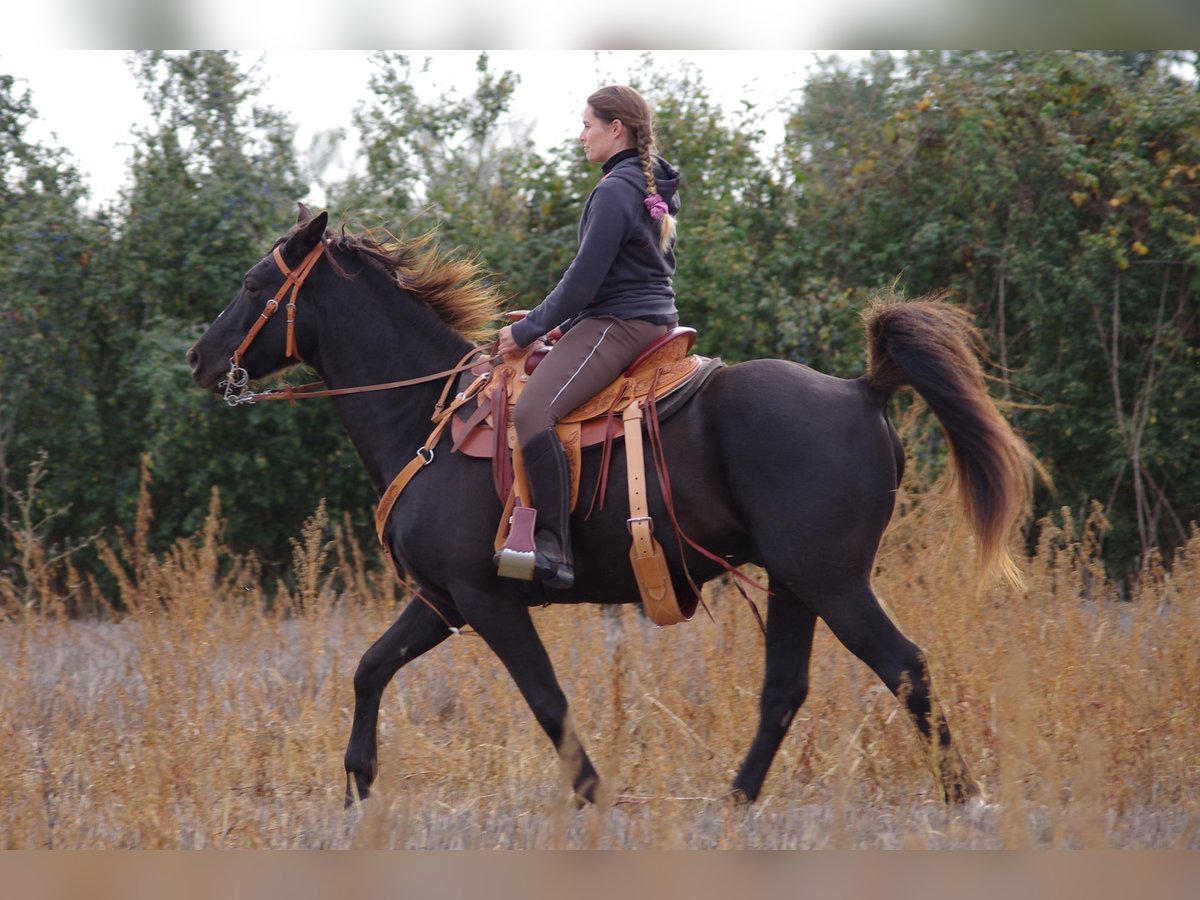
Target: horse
{"points": [[807, 499]]}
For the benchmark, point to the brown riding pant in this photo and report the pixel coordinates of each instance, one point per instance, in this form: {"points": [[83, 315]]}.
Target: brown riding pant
{"points": [[585, 360]]}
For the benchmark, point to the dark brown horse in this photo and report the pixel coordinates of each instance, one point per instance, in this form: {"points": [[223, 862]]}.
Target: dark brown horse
{"points": [[807, 498]]}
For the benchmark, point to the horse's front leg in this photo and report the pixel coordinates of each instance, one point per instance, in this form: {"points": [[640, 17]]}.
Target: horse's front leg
{"points": [[505, 624], [417, 630]]}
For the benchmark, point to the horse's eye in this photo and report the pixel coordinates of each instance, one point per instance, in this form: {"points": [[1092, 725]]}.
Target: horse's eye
{"points": [[250, 284]]}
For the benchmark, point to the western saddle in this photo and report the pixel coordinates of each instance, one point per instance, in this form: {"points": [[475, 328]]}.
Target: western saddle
{"points": [[480, 423]]}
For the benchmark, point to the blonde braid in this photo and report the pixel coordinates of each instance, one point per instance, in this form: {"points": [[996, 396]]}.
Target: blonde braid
{"points": [[645, 148]]}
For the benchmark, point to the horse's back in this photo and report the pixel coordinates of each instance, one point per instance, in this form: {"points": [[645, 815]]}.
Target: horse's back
{"points": [[793, 409]]}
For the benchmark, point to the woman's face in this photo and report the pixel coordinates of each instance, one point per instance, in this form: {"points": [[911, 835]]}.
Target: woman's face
{"points": [[601, 139]]}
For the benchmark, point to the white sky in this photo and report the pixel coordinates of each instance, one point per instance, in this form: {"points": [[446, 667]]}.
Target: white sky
{"points": [[87, 100]]}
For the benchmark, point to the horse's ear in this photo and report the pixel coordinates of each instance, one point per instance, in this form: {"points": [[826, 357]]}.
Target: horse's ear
{"points": [[304, 215], [306, 235]]}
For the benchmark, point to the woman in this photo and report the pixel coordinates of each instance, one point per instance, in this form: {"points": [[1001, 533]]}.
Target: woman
{"points": [[614, 300]]}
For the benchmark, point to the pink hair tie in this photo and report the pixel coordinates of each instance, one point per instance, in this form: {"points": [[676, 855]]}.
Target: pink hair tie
{"points": [[656, 206]]}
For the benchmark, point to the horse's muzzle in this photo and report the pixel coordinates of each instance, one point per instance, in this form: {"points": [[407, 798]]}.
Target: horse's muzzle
{"points": [[207, 378]]}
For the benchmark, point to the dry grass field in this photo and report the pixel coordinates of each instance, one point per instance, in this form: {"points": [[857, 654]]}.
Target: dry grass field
{"points": [[200, 716]]}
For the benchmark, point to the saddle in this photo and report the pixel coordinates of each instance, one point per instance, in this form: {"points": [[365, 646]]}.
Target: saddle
{"points": [[660, 380], [663, 368]]}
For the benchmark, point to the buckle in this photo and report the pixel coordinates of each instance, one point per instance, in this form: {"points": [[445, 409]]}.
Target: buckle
{"points": [[630, 522]]}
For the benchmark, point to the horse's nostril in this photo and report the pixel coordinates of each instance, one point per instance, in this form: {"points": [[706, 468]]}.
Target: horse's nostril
{"points": [[193, 358]]}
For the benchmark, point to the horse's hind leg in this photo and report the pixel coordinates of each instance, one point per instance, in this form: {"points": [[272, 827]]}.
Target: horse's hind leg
{"points": [[417, 630], [790, 626], [859, 622]]}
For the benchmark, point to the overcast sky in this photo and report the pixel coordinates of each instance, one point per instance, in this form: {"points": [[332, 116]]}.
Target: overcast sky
{"points": [[88, 101]]}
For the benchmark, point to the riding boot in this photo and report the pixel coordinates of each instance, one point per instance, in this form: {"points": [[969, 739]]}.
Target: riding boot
{"points": [[549, 479]]}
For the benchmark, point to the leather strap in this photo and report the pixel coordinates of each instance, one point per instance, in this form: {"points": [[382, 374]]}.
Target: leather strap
{"points": [[641, 528], [601, 490], [291, 279], [505, 521], [306, 391], [502, 463], [646, 556], [423, 458], [664, 480]]}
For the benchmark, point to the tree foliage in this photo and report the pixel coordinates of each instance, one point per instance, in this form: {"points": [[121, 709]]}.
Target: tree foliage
{"points": [[1054, 193], [49, 299]]}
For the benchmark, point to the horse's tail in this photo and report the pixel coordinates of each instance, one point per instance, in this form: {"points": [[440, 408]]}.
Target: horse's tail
{"points": [[935, 348]]}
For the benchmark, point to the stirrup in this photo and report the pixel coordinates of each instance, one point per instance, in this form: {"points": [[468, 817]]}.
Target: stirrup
{"points": [[517, 558]]}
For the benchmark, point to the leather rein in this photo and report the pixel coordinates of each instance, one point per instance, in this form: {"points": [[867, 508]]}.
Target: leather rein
{"points": [[237, 381]]}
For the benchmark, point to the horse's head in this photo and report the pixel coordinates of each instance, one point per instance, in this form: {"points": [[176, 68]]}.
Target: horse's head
{"points": [[248, 340]]}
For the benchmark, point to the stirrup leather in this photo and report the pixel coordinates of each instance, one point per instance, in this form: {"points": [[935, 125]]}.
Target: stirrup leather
{"points": [[646, 555]]}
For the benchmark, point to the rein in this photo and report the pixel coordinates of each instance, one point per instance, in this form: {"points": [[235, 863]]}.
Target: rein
{"points": [[237, 381]]}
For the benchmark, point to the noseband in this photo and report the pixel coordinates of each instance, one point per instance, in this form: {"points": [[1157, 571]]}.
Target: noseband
{"points": [[237, 380]]}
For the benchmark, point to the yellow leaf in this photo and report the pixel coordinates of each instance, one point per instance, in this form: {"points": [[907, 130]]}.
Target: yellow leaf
{"points": [[1139, 248]]}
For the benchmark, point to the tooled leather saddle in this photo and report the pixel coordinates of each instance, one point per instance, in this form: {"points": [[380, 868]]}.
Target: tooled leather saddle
{"points": [[666, 369], [659, 381]]}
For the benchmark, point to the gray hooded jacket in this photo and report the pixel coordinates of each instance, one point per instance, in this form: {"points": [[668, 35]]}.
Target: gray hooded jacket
{"points": [[619, 270]]}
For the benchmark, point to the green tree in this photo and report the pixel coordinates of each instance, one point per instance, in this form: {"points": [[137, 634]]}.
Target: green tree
{"points": [[48, 307], [733, 220], [459, 165], [1052, 193], [214, 181]]}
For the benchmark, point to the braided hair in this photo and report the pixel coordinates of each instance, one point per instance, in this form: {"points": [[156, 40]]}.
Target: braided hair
{"points": [[619, 101]]}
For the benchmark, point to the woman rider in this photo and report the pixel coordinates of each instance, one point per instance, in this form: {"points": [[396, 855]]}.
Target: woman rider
{"points": [[614, 299]]}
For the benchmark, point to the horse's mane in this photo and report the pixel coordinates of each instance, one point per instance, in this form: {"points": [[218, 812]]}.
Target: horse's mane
{"points": [[456, 288]]}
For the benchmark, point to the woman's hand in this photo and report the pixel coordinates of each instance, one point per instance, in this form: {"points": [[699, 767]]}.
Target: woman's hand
{"points": [[505, 345]]}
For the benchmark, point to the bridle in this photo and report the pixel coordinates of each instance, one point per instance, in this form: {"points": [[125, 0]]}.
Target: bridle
{"points": [[237, 381]]}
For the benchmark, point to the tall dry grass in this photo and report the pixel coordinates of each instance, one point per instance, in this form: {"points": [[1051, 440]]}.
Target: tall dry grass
{"points": [[203, 715]]}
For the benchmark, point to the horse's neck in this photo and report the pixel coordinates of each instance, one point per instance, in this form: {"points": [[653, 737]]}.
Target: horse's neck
{"points": [[378, 340]]}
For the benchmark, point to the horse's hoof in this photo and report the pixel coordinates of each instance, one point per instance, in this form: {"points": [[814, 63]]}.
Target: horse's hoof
{"points": [[737, 797], [585, 791], [357, 790], [977, 808], [963, 792]]}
